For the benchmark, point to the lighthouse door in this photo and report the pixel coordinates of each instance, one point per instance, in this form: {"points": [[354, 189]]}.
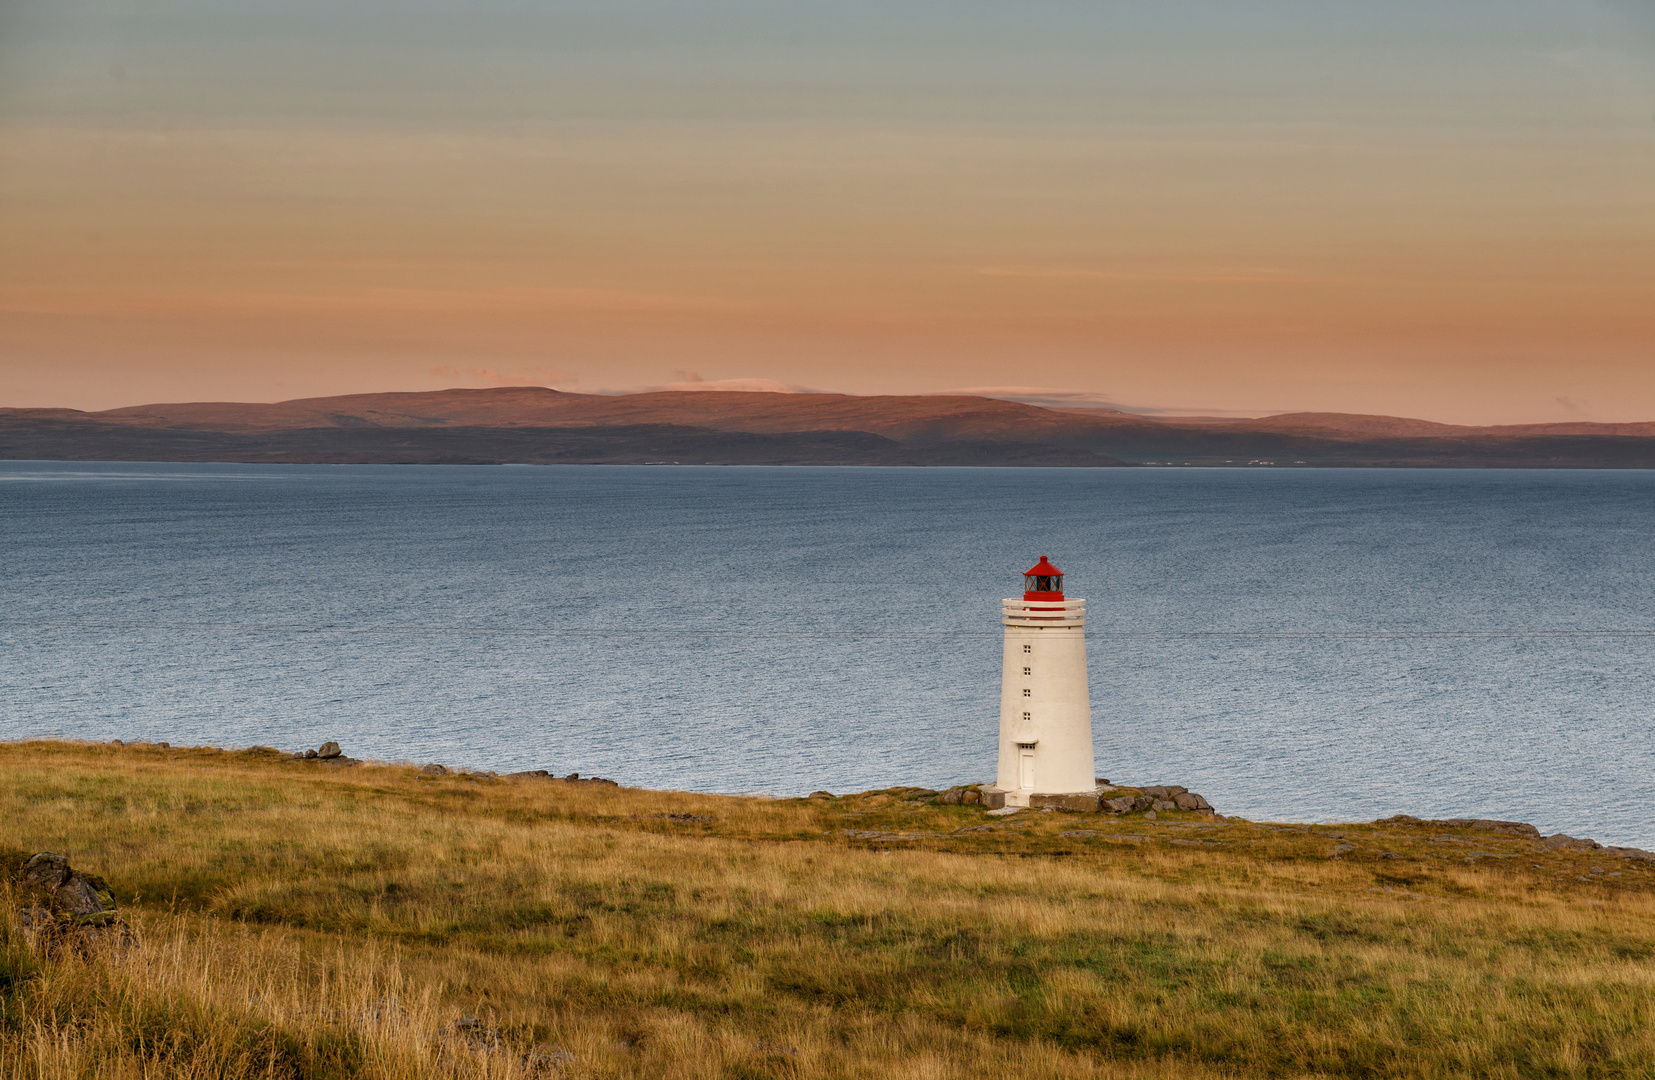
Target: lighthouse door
{"points": [[1025, 769]]}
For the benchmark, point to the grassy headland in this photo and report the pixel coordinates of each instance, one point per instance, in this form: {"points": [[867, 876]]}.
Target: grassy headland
{"points": [[301, 920]]}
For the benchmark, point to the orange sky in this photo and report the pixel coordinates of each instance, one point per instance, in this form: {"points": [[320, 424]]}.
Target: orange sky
{"points": [[1437, 210]]}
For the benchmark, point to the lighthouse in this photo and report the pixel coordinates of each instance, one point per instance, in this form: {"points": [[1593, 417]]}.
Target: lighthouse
{"points": [[1045, 705]]}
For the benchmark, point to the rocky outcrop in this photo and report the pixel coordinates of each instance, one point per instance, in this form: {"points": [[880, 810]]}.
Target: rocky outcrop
{"points": [[1630, 853], [83, 898], [1102, 799], [329, 754], [526, 774], [1563, 842], [1554, 842], [576, 778], [45, 871], [1157, 798], [64, 907], [1514, 828]]}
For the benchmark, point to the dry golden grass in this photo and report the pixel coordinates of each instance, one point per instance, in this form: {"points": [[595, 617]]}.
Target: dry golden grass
{"points": [[303, 920]]}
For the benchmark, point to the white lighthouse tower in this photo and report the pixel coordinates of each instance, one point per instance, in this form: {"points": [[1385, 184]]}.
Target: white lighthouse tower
{"points": [[1045, 705]]}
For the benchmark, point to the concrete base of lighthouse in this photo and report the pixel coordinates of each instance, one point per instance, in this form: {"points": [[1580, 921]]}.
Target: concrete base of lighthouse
{"points": [[1045, 702]]}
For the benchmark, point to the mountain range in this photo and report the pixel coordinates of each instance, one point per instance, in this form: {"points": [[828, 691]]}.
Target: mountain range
{"points": [[543, 426]]}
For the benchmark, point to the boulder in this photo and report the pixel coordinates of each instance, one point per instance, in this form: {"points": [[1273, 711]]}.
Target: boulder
{"points": [[433, 769], [1080, 802], [85, 895], [530, 774], [954, 796], [1150, 816], [1154, 791], [994, 798], [1163, 804], [328, 750], [1124, 804], [46, 871], [76, 899], [1188, 800], [310, 755], [116, 742], [821, 795], [972, 797]]}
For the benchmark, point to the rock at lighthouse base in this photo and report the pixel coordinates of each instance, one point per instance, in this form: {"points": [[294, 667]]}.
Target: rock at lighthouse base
{"points": [[1076, 802]]}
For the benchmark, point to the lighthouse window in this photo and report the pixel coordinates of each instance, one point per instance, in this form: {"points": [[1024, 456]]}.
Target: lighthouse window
{"points": [[1028, 671], [1028, 648], [1026, 716], [1027, 692]]}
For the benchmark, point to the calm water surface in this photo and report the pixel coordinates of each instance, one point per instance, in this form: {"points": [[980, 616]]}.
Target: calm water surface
{"points": [[1306, 645]]}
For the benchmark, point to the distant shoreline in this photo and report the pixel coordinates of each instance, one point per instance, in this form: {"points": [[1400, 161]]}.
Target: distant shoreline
{"points": [[539, 426]]}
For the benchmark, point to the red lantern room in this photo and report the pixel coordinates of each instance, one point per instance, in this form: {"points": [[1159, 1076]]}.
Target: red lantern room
{"points": [[1043, 581]]}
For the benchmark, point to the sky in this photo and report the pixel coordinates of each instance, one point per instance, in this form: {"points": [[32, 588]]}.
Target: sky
{"points": [[1438, 209]]}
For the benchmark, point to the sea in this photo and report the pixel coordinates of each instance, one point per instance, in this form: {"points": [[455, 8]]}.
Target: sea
{"points": [[1296, 645]]}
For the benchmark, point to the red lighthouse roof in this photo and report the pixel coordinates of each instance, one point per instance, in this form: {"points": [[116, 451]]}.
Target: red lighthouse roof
{"points": [[1043, 581], [1043, 568]]}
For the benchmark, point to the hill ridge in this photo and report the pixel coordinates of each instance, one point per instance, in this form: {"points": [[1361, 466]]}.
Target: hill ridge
{"points": [[543, 425]]}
